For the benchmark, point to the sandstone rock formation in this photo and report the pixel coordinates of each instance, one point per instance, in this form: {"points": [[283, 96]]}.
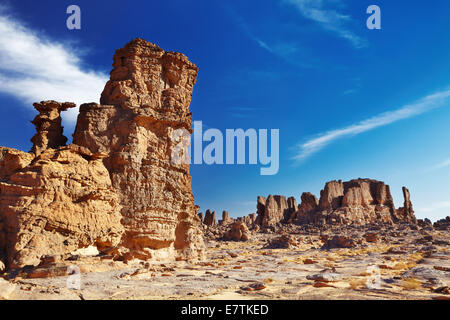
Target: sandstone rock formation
{"points": [[61, 201], [289, 214], [238, 232], [307, 208], [359, 201], [226, 220], [273, 211], [210, 218], [406, 213], [48, 125], [442, 224], [248, 220], [117, 186], [142, 106]]}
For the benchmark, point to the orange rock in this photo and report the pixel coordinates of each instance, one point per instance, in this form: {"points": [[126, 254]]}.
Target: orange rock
{"points": [[63, 201], [309, 261], [238, 231], [371, 237], [319, 284], [116, 186]]}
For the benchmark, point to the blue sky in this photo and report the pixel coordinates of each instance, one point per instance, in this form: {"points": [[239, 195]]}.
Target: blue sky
{"points": [[349, 102]]}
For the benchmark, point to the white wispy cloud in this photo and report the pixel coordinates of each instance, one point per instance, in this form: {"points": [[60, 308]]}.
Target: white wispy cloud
{"points": [[325, 13], [425, 104], [34, 68], [441, 165], [435, 207], [285, 50]]}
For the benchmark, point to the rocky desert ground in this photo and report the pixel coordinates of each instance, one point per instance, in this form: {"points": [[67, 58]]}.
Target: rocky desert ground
{"points": [[292, 263]]}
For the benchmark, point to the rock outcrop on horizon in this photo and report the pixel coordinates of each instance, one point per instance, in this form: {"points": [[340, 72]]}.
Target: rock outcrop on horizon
{"points": [[210, 218], [116, 187], [226, 220], [359, 201], [307, 208]]}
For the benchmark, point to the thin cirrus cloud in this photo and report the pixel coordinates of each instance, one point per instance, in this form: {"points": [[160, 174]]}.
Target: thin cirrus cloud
{"points": [[288, 51], [435, 207], [440, 165], [423, 105], [325, 13], [34, 68]]}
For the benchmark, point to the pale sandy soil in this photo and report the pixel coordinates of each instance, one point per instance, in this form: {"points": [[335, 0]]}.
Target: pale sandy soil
{"points": [[413, 269]]}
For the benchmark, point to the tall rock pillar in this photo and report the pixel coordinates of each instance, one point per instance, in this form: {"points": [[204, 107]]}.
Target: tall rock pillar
{"points": [[146, 99]]}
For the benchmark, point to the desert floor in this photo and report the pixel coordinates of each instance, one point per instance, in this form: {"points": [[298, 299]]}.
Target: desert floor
{"points": [[401, 264]]}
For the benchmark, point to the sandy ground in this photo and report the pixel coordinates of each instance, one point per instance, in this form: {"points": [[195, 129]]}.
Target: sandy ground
{"points": [[402, 264]]}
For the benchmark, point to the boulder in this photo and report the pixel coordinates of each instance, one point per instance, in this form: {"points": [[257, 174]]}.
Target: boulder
{"points": [[339, 241], [284, 241], [238, 231]]}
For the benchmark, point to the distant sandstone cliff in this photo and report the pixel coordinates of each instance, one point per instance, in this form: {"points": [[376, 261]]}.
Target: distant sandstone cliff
{"points": [[115, 187], [359, 201]]}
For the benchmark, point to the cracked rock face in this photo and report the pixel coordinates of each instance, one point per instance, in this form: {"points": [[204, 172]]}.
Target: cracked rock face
{"points": [[59, 202], [144, 102], [116, 187]]}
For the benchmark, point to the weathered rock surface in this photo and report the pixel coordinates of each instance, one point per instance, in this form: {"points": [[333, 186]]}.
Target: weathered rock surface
{"points": [[284, 241], [210, 218], [238, 232], [60, 202], [307, 209], [338, 241], [406, 213], [6, 289], [359, 201], [117, 185], [443, 224], [248, 220], [48, 125], [226, 220], [276, 209], [146, 100]]}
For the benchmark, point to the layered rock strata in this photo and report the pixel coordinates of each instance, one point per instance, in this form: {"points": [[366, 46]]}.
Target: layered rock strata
{"points": [[210, 218], [359, 201], [48, 125], [117, 186]]}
